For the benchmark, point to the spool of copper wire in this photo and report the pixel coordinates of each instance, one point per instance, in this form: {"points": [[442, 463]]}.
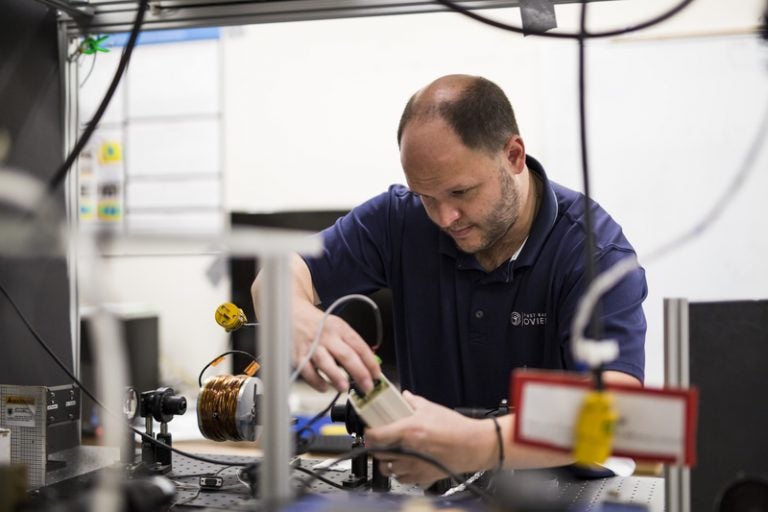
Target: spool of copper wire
{"points": [[227, 408]]}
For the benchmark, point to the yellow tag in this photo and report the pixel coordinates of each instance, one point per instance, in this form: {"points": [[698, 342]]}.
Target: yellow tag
{"points": [[217, 361], [594, 428], [251, 369]]}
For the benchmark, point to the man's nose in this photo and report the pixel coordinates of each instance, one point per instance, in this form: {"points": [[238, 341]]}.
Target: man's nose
{"points": [[447, 215]]}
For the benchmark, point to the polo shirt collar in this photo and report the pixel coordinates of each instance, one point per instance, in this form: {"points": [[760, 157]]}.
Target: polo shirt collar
{"points": [[542, 224], [545, 218]]}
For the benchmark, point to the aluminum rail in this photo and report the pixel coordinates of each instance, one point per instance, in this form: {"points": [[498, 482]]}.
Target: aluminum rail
{"points": [[117, 15], [677, 479], [74, 9]]}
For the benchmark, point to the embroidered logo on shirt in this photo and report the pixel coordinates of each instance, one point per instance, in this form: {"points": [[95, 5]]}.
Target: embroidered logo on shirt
{"points": [[527, 319]]}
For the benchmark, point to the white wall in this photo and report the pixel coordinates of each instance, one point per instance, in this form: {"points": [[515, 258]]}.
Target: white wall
{"points": [[168, 109], [312, 109]]}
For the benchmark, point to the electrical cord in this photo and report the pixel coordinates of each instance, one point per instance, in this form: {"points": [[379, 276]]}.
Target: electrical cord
{"points": [[613, 275], [589, 249], [331, 308], [308, 426], [241, 352], [400, 451], [198, 488], [318, 476], [90, 395], [90, 70], [462, 487], [61, 173], [673, 11], [729, 192], [581, 36]]}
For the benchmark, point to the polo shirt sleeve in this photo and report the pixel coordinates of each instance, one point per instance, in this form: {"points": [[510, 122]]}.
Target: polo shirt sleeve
{"points": [[621, 313], [357, 249]]}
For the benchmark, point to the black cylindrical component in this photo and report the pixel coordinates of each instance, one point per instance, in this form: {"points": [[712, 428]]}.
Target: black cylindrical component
{"points": [[360, 463], [379, 481], [346, 414], [339, 413], [148, 455], [175, 405], [128, 449], [161, 404], [164, 454]]}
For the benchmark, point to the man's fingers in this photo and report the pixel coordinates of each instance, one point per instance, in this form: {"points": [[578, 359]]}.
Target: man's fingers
{"points": [[415, 401], [386, 435], [350, 360], [313, 378], [341, 346], [363, 350], [324, 361], [354, 355]]}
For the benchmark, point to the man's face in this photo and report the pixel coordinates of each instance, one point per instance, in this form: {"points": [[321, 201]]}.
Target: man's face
{"points": [[470, 194]]}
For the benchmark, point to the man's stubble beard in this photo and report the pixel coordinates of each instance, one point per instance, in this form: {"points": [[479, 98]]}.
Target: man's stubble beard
{"points": [[504, 213]]}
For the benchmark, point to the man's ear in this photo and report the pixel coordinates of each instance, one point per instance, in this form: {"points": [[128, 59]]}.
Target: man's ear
{"points": [[514, 152]]}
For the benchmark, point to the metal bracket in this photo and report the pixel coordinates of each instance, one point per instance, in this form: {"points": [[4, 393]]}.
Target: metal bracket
{"points": [[76, 9]]}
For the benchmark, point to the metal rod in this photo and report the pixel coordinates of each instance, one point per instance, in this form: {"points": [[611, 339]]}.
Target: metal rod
{"points": [[677, 495], [276, 334]]}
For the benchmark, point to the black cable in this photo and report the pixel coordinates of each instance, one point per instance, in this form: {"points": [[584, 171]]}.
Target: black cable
{"points": [[408, 453], [316, 418], [61, 173], [580, 36], [595, 325], [93, 65], [90, 395], [199, 489], [727, 196], [318, 476], [379, 329], [591, 271], [568, 35], [241, 352]]}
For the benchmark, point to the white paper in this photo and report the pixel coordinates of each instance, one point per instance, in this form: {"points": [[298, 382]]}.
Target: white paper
{"points": [[649, 424]]}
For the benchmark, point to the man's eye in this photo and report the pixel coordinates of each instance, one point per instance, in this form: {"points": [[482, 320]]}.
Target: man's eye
{"points": [[427, 200], [458, 193]]}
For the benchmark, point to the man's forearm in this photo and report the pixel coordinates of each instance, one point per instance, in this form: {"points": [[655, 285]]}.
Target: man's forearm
{"points": [[301, 280]]}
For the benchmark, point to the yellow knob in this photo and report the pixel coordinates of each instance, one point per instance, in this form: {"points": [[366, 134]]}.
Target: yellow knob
{"points": [[595, 428], [230, 317]]}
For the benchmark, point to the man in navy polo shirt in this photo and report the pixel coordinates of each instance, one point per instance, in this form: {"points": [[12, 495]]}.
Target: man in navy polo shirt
{"points": [[485, 259]]}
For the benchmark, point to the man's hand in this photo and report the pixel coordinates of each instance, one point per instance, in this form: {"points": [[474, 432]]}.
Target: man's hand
{"points": [[340, 348], [460, 443]]}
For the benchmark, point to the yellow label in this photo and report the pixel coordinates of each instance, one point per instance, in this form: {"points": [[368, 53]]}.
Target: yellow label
{"points": [[110, 210], [110, 152], [20, 400]]}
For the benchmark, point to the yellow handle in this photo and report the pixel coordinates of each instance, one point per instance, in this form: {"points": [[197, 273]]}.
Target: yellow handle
{"points": [[230, 317], [594, 429]]}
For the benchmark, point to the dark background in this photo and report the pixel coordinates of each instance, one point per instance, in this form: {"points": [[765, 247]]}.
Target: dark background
{"points": [[31, 113], [358, 314], [729, 366]]}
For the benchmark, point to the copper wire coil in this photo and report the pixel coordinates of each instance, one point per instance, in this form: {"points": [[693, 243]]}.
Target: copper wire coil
{"points": [[217, 407]]}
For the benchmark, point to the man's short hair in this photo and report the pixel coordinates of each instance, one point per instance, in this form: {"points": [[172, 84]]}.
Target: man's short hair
{"points": [[481, 115]]}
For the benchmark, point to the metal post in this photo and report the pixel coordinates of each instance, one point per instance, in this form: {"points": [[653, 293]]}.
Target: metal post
{"points": [[276, 337], [677, 482]]}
